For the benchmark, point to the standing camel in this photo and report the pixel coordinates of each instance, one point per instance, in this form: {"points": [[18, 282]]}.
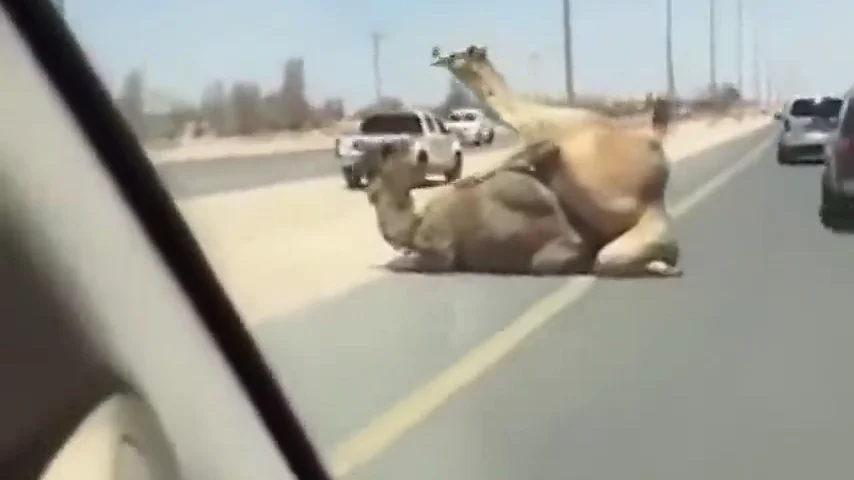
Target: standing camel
{"points": [[612, 178], [508, 224]]}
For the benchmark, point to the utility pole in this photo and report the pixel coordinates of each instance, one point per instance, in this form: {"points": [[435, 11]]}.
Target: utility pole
{"points": [[377, 37], [533, 69], [671, 76], [713, 77], [739, 53], [567, 52], [770, 83]]}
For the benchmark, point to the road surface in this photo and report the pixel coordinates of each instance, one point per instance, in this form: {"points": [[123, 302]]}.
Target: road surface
{"points": [[739, 370], [195, 178]]}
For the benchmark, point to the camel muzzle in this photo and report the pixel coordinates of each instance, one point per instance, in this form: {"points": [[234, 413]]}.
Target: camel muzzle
{"points": [[443, 61]]}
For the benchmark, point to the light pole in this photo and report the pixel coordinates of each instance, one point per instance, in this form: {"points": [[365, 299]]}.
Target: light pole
{"points": [[739, 53], [533, 69], [376, 37], [757, 80], [671, 76], [567, 51], [713, 78]]}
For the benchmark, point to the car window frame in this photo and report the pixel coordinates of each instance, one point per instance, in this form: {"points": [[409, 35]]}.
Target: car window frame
{"points": [[59, 58]]}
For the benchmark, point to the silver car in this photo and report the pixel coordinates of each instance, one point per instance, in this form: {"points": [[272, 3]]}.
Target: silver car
{"points": [[471, 125], [807, 125]]}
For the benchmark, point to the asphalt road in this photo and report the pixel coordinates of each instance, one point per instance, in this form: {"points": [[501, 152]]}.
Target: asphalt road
{"points": [[196, 178], [739, 370]]}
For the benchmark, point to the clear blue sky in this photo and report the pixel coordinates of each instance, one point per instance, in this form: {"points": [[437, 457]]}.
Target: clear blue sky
{"points": [[182, 45]]}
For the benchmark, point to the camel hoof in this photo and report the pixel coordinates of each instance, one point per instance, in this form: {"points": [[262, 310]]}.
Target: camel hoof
{"points": [[663, 269], [403, 263]]}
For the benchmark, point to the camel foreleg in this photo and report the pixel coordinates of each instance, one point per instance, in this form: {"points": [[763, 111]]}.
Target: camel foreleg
{"points": [[422, 262], [647, 249]]}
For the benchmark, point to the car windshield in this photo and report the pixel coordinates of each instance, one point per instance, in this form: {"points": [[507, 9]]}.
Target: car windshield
{"points": [[392, 123], [463, 117], [454, 318], [824, 108]]}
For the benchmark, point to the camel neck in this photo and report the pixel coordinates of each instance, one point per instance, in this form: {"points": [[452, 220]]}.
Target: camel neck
{"points": [[397, 223], [491, 88]]}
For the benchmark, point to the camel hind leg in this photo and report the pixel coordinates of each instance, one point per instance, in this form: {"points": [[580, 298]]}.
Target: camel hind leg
{"points": [[565, 254], [561, 256], [648, 248]]}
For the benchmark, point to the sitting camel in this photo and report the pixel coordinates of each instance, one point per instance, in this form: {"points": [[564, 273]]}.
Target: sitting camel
{"points": [[611, 177], [508, 224]]}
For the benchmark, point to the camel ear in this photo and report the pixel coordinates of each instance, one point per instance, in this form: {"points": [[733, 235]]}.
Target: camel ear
{"points": [[471, 51], [436, 51]]}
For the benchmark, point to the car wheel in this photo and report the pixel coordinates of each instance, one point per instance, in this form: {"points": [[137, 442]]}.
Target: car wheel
{"points": [[783, 157], [832, 213], [352, 177], [491, 137], [456, 171]]}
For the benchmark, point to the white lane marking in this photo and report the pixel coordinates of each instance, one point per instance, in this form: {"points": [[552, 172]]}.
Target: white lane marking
{"points": [[369, 442]]}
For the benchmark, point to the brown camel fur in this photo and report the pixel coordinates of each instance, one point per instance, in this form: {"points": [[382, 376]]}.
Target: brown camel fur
{"points": [[611, 177], [507, 224]]}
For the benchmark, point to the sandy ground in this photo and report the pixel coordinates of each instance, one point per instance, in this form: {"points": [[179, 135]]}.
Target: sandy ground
{"points": [[206, 149], [280, 248]]}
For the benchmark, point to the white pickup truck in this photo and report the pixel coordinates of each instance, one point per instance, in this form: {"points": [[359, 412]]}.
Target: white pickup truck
{"points": [[471, 125], [434, 146]]}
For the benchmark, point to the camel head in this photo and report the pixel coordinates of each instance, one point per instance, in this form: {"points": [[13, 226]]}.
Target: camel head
{"points": [[389, 169], [391, 176], [472, 67]]}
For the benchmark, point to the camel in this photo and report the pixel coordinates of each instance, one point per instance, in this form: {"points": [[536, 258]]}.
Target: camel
{"points": [[612, 178], [508, 224]]}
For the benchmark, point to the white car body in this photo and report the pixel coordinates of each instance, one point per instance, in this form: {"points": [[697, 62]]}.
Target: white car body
{"points": [[471, 125], [433, 144], [808, 123]]}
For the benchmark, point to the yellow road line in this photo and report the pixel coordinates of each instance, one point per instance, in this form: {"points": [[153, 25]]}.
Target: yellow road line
{"points": [[371, 441]]}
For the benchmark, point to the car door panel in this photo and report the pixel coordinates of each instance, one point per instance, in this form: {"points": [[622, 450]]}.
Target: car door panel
{"points": [[439, 147]]}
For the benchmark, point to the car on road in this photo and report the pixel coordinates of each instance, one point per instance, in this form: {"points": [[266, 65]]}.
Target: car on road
{"points": [[434, 146], [837, 179], [807, 123], [472, 126]]}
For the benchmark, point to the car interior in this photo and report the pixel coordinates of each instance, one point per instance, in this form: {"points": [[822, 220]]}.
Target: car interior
{"points": [[121, 356]]}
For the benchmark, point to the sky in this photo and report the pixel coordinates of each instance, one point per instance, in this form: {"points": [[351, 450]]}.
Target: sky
{"points": [[618, 45]]}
